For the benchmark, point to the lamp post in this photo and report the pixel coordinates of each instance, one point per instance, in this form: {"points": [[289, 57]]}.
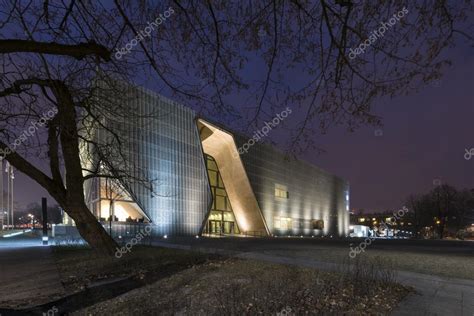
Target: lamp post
{"points": [[32, 220], [7, 171], [44, 206], [2, 211], [10, 178]]}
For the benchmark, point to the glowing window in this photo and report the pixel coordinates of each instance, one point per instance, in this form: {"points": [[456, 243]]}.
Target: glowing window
{"points": [[318, 224], [281, 191], [283, 223]]}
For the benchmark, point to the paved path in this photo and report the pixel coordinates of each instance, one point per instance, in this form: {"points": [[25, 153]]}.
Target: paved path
{"points": [[435, 295], [28, 275]]}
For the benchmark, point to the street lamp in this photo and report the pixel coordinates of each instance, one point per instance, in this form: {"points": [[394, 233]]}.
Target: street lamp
{"points": [[2, 212], [10, 178], [32, 220]]}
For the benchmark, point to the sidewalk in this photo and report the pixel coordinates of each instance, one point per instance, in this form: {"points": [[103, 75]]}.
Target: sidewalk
{"points": [[28, 275], [435, 295]]}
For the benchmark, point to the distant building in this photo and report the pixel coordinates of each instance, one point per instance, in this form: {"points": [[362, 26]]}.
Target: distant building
{"points": [[378, 222]]}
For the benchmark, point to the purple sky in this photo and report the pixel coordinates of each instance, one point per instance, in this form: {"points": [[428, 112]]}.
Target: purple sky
{"points": [[424, 138]]}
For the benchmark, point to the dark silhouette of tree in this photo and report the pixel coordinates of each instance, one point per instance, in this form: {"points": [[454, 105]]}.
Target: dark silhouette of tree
{"points": [[442, 208], [201, 54]]}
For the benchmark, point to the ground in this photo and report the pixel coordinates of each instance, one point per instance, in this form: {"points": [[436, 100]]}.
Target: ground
{"points": [[236, 287], [266, 276], [80, 268], [446, 258]]}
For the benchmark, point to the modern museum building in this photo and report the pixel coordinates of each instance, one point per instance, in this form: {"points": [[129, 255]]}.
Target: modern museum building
{"points": [[206, 185]]}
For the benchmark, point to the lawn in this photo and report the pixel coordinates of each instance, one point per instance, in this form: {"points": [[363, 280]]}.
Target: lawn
{"points": [[210, 285], [80, 267], [442, 264]]}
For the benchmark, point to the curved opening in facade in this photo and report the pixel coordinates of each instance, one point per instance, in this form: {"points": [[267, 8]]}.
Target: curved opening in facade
{"points": [[221, 219], [220, 145]]}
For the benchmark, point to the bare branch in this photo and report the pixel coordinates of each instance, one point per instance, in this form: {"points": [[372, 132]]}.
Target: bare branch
{"points": [[78, 51]]}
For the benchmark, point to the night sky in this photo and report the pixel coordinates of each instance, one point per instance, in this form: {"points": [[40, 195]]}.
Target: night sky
{"points": [[424, 137]]}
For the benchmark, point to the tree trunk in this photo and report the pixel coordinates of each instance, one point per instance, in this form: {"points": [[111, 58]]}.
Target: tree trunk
{"points": [[87, 225], [92, 231]]}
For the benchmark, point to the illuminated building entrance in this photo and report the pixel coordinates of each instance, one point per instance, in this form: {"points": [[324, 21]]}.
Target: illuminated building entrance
{"points": [[221, 219]]}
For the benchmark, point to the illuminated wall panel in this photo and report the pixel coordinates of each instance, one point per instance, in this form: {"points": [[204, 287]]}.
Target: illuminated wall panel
{"points": [[165, 147], [313, 194]]}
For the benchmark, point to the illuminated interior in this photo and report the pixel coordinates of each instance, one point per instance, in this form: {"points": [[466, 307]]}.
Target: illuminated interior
{"points": [[117, 205], [221, 220], [220, 145]]}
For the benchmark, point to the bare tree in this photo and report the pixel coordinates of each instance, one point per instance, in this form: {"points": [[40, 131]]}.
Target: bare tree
{"points": [[201, 53], [443, 207]]}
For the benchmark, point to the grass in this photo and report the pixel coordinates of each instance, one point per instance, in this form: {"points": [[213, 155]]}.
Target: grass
{"points": [[244, 287], [80, 267], [447, 265]]}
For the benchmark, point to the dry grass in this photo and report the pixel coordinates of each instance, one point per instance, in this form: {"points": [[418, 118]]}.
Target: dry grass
{"points": [[447, 265], [79, 267], [240, 287]]}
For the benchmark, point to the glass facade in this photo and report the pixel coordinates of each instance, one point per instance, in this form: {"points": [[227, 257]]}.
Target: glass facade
{"points": [[221, 217]]}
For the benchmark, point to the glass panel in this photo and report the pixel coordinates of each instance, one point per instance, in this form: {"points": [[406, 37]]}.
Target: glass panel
{"points": [[277, 223], [221, 183], [221, 192], [318, 224], [228, 216], [220, 203], [281, 191], [285, 223], [211, 165], [221, 220], [213, 178]]}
